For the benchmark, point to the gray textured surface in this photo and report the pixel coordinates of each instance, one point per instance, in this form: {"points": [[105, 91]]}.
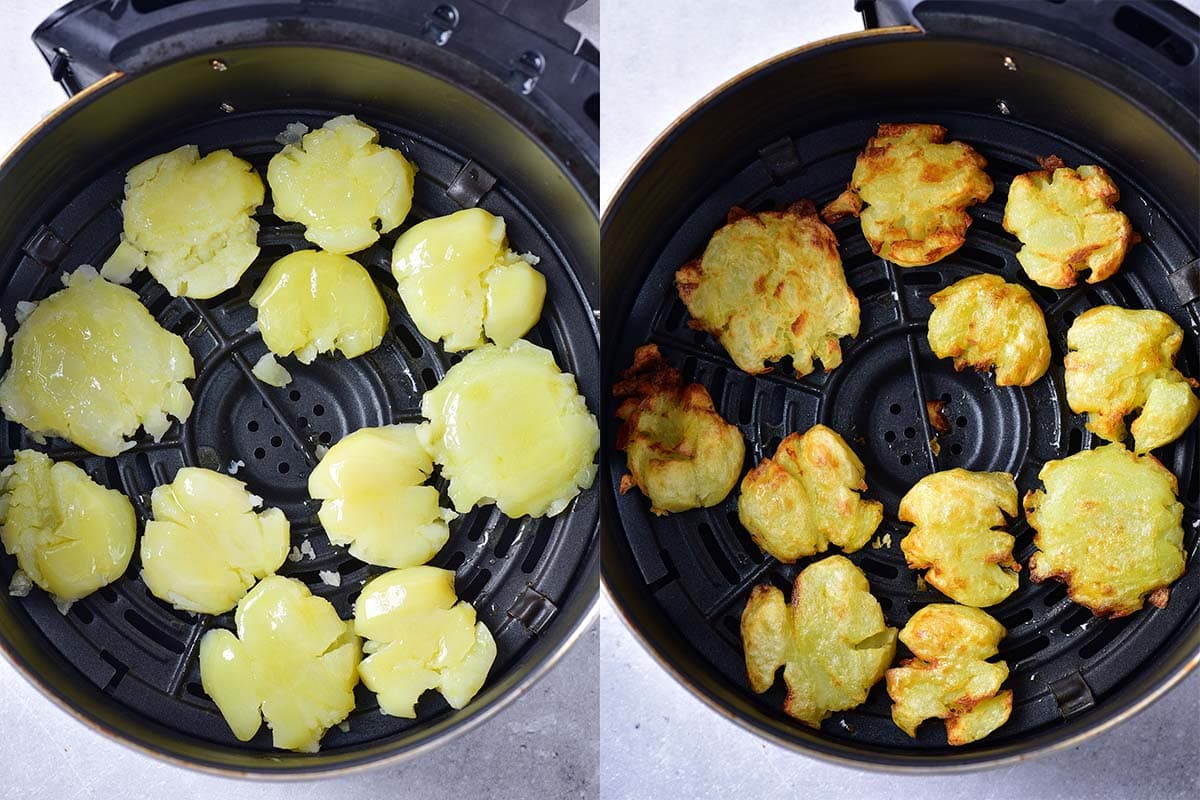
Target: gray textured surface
{"points": [[544, 745], [657, 739]]}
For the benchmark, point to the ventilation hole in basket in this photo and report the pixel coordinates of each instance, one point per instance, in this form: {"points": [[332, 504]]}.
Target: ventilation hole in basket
{"points": [[82, 613], [961, 422], [873, 287], [14, 437], [302, 422], [894, 408], [905, 459], [746, 406], [734, 626], [536, 550], [1055, 595], [923, 277], [108, 593], [879, 569], [284, 468], [411, 343], [252, 425], [1074, 441], [294, 395], [915, 606], [1074, 619], [276, 441], [153, 633], [259, 452], [689, 369], [1018, 617], [742, 535], [956, 449], [910, 433], [119, 670], [196, 690], [472, 589], [885, 603], [507, 537], [326, 437], [428, 379], [1021, 652], [1107, 634], [945, 397], [318, 410], [715, 553], [889, 436], [456, 560], [993, 260]]}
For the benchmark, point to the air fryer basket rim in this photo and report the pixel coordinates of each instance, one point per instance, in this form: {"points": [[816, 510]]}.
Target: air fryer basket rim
{"points": [[1116, 709], [582, 607]]}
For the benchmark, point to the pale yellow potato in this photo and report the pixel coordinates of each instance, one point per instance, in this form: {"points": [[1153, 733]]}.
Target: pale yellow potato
{"points": [[268, 370], [292, 662], [342, 185], [374, 500], [916, 188], [959, 534], [421, 637], [983, 322], [463, 285], [832, 641], [771, 285], [1120, 361], [950, 677], [91, 365], [806, 497], [206, 545], [508, 427], [70, 535], [1110, 527], [313, 302], [1067, 223], [187, 220], [681, 454]]}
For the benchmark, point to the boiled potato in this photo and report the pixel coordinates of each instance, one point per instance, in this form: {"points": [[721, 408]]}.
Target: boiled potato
{"points": [[187, 220], [315, 302], [342, 185], [268, 370], [1110, 526], [508, 427], [206, 546], [421, 637], [950, 677], [70, 535], [832, 640], [374, 500], [293, 662], [461, 283], [90, 364], [680, 452]]}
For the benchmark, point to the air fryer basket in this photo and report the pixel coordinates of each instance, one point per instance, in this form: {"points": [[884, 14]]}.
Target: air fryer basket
{"points": [[126, 662], [792, 128]]}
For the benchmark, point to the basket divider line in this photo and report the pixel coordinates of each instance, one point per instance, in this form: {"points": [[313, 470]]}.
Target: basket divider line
{"points": [[914, 365], [190, 652]]}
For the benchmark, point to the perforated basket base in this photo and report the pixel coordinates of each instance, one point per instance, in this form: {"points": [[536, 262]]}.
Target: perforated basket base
{"points": [[700, 565], [137, 648]]}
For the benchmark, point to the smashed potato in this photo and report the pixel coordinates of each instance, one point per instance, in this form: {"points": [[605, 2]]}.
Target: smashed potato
{"points": [[462, 284], [771, 285], [374, 500], [187, 220], [806, 497], [832, 641], [983, 322], [916, 188], [313, 302], [681, 453], [342, 185], [958, 534], [91, 365], [1109, 526], [70, 534], [268, 370], [293, 662], [206, 546], [950, 677], [1119, 361], [1067, 223], [508, 427], [421, 637]]}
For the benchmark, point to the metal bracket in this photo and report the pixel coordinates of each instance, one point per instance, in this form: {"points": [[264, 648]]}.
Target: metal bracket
{"points": [[782, 160], [1186, 281], [46, 248], [533, 609], [1072, 694], [470, 185]]}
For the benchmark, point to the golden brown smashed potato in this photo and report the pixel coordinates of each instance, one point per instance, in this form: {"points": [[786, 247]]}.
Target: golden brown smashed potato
{"points": [[187, 220], [1067, 223], [681, 453], [983, 322], [915, 188], [1109, 526], [806, 497], [771, 285], [91, 365], [958, 534], [832, 642], [1120, 361], [950, 677], [293, 661]]}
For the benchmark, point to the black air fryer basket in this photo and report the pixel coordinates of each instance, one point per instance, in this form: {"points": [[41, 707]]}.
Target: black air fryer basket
{"points": [[497, 103], [1091, 82]]}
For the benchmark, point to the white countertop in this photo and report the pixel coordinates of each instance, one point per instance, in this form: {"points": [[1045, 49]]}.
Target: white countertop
{"points": [[544, 745], [657, 739]]}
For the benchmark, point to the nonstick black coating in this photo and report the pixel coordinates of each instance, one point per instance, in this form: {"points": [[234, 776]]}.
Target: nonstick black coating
{"points": [[696, 568], [136, 650]]}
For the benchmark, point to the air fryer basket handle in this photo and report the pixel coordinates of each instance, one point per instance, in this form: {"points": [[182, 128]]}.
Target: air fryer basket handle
{"points": [[1158, 40], [525, 43]]}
